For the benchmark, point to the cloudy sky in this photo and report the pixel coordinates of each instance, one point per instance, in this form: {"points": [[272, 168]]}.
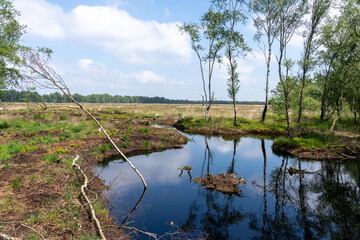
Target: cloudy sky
{"points": [[133, 47]]}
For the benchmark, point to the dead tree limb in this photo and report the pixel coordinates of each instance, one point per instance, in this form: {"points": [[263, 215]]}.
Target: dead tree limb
{"points": [[6, 237], [42, 75], [33, 230], [153, 235], [83, 187]]}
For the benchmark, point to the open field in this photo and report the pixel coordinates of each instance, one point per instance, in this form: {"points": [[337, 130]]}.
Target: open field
{"points": [[164, 110]]}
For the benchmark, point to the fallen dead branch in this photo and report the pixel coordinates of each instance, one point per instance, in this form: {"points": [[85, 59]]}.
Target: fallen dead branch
{"points": [[153, 235], [83, 187], [6, 237], [347, 156], [33, 230], [42, 75]]}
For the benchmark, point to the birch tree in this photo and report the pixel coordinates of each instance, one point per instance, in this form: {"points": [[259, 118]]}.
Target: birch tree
{"points": [[266, 21], [290, 13], [10, 35], [210, 32], [317, 10], [235, 46]]}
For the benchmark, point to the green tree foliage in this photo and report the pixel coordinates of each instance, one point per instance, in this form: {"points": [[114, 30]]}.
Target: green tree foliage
{"points": [[16, 96], [317, 11], [266, 21], [210, 32], [236, 46], [290, 14], [10, 34], [340, 59]]}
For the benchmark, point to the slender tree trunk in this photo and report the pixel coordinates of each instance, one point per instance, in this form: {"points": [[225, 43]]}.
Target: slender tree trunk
{"points": [[286, 106], [301, 94], [323, 103], [306, 61], [341, 100], [207, 112], [235, 117], [355, 118], [203, 103], [203, 81], [267, 79], [2, 106], [323, 97]]}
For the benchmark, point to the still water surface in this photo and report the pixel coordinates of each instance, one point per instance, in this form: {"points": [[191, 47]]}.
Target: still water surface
{"points": [[324, 203]]}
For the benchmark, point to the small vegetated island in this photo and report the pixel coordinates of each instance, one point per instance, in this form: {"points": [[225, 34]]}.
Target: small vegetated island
{"points": [[46, 192]]}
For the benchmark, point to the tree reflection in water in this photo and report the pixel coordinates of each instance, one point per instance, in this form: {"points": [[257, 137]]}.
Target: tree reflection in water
{"points": [[215, 211], [315, 205], [321, 203]]}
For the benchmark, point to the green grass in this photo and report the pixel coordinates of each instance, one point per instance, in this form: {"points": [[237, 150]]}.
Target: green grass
{"points": [[76, 129], [146, 144], [51, 158], [228, 124], [34, 218], [106, 146], [16, 183], [4, 124], [7, 166], [145, 130], [123, 145], [63, 118], [101, 209], [9, 204], [307, 141], [14, 148], [61, 150]]}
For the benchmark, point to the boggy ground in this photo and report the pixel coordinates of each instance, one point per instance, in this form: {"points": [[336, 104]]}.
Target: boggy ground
{"points": [[40, 191]]}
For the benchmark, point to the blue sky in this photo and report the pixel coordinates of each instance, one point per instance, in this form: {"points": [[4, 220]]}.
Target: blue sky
{"points": [[133, 47]]}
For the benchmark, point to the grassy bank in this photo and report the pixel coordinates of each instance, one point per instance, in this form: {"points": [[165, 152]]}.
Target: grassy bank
{"points": [[39, 188], [310, 139]]}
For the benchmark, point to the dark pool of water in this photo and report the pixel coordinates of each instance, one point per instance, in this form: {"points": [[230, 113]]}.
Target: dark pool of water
{"points": [[324, 203]]}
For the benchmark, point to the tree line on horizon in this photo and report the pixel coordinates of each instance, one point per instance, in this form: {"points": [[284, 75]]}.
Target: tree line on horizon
{"points": [[33, 96]]}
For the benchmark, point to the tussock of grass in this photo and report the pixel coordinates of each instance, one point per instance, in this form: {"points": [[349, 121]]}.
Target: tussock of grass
{"points": [[4, 124], [51, 158], [105, 147]]}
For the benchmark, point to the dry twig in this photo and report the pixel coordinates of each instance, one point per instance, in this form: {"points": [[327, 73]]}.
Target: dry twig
{"points": [[33, 230], [6, 237], [153, 235], [83, 187]]}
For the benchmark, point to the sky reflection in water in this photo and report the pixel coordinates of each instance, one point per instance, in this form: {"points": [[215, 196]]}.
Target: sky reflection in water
{"points": [[322, 204]]}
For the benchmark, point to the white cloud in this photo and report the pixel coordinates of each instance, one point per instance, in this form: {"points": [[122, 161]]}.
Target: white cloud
{"points": [[146, 77], [42, 18], [88, 75], [90, 64], [112, 29]]}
